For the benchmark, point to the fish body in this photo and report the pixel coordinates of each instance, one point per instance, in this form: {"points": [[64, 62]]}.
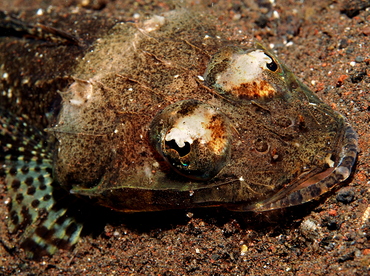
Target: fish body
{"points": [[166, 114]]}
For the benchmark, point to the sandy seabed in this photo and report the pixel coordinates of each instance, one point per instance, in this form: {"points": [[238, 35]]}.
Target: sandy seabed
{"points": [[326, 43]]}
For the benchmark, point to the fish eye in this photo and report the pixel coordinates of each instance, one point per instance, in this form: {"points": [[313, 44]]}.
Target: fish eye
{"points": [[272, 66], [240, 74], [194, 138]]}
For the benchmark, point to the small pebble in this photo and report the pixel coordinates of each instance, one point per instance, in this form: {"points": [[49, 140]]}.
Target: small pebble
{"points": [[343, 43], [243, 249], [359, 59], [366, 31], [332, 224], [358, 76], [346, 257], [350, 50], [345, 195], [332, 213]]}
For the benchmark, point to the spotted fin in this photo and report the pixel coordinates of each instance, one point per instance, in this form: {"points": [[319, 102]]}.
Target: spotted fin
{"points": [[39, 207]]}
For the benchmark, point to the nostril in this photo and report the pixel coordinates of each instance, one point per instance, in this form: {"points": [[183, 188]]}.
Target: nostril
{"points": [[261, 145]]}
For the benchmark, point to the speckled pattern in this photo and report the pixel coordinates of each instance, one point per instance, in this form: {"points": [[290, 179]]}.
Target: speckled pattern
{"points": [[331, 237], [36, 211]]}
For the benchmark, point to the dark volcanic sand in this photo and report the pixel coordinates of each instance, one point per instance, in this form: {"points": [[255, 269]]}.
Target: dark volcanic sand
{"points": [[329, 50]]}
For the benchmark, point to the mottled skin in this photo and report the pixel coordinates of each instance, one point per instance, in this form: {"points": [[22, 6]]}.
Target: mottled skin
{"points": [[108, 141], [33, 68], [33, 59]]}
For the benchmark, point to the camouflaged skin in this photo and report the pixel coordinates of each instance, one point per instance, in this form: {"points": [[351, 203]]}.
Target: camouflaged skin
{"points": [[33, 68], [111, 135]]}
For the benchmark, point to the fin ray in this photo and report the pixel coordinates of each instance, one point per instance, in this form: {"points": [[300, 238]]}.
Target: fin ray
{"points": [[38, 211]]}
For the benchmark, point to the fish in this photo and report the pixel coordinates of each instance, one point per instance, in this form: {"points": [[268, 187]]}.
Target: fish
{"points": [[166, 113]]}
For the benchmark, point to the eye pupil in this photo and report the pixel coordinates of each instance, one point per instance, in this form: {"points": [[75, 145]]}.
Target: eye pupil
{"points": [[272, 66], [181, 151]]}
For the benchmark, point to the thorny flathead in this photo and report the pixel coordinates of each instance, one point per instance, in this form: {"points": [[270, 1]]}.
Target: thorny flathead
{"points": [[163, 114]]}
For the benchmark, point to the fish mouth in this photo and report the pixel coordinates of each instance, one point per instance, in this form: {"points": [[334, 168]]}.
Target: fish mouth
{"points": [[312, 184]]}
